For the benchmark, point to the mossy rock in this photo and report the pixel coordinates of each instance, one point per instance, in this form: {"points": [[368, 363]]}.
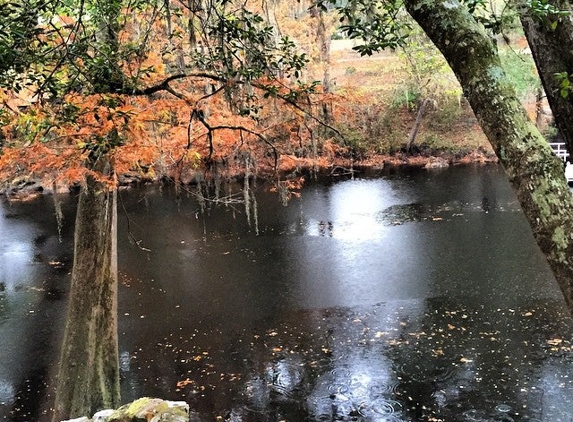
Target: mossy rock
{"points": [[151, 410]]}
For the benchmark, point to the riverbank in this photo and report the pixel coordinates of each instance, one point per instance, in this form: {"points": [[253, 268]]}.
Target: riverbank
{"points": [[368, 116], [289, 167]]}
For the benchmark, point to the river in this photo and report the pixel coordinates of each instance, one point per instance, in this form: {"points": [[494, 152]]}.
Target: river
{"points": [[414, 295]]}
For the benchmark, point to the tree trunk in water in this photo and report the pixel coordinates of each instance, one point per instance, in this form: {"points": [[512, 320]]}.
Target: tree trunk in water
{"points": [[88, 375], [535, 173], [552, 51]]}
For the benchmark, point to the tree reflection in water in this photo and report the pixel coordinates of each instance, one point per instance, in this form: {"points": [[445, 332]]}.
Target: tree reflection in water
{"points": [[428, 360], [385, 311]]}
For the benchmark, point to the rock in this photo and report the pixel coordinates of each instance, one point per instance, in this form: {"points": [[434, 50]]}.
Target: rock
{"points": [[437, 163], [142, 410], [151, 410], [102, 415]]}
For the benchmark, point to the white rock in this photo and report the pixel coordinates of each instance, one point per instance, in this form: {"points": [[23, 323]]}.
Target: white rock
{"points": [[181, 404], [101, 415]]}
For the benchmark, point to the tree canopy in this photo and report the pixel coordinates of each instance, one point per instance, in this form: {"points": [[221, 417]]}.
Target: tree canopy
{"points": [[164, 87]]}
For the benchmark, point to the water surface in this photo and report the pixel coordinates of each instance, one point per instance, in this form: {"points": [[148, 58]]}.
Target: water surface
{"points": [[413, 296]]}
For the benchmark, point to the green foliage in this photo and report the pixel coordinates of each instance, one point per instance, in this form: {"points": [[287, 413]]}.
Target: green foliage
{"points": [[434, 142], [21, 44], [246, 49], [505, 20], [550, 132], [428, 74], [498, 20], [356, 145], [520, 69], [565, 82], [546, 12], [407, 97], [445, 116], [380, 24], [37, 48]]}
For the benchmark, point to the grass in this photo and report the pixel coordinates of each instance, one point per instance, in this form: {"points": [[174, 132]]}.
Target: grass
{"points": [[379, 104], [520, 68]]}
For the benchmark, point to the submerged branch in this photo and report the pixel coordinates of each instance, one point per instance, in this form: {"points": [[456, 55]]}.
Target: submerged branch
{"points": [[129, 231]]}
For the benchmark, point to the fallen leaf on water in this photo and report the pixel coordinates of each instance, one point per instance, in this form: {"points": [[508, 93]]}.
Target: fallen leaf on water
{"points": [[183, 383], [57, 264]]}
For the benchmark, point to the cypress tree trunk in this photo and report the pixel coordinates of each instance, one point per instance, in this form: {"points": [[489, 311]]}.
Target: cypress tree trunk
{"points": [[535, 173], [552, 50], [88, 374]]}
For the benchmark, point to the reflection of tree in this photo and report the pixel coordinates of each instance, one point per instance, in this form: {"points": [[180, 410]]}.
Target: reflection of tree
{"points": [[475, 361], [413, 361], [31, 303], [256, 359]]}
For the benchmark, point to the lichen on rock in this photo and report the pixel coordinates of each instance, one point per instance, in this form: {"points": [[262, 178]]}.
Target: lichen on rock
{"points": [[145, 409]]}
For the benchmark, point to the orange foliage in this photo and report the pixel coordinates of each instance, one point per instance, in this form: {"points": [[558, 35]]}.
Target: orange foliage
{"points": [[159, 135]]}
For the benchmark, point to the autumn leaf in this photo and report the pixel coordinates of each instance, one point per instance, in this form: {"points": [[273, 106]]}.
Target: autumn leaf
{"points": [[183, 383]]}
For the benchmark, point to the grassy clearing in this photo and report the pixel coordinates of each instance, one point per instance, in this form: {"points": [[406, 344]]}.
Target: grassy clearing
{"points": [[378, 105]]}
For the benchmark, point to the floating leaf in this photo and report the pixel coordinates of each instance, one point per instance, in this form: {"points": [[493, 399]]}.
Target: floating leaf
{"points": [[183, 383]]}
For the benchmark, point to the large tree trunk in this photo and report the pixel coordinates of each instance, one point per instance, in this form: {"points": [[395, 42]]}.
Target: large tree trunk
{"points": [[88, 374], [552, 51], [535, 173]]}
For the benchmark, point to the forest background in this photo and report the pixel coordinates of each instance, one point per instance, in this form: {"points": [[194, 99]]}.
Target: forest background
{"points": [[97, 93], [401, 106]]}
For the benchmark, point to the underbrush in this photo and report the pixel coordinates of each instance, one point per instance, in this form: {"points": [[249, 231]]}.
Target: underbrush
{"points": [[373, 126]]}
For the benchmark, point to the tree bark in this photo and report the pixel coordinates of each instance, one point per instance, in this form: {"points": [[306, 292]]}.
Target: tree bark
{"points": [[535, 173], [417, 123], [88, 373], [552, 51]]}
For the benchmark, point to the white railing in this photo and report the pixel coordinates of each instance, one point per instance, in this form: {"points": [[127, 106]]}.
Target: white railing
{"points": [[560, 150]]}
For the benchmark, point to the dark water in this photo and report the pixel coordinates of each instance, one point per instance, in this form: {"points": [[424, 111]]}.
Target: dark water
{"points": [[417, 296]]}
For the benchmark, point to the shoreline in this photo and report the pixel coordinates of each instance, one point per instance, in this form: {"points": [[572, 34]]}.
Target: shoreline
{"points": [[26, 189]]}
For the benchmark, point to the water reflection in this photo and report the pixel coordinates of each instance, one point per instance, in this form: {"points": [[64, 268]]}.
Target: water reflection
{"points": [[383, 363], [32, 282], [415, 297], [352, 206]]}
